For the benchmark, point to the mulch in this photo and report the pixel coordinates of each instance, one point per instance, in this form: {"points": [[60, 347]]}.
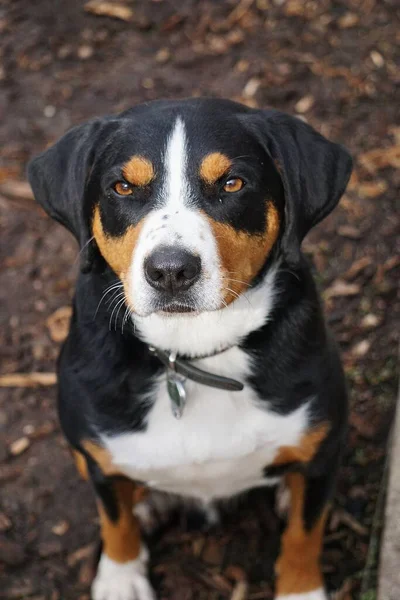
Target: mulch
{"points": [[333, 63]]}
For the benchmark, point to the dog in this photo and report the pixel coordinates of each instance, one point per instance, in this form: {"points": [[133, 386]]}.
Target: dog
{"points": [[198, 362]]}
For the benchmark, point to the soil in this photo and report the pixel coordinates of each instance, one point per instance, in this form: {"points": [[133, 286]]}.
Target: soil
{"points": [[331, 62]]}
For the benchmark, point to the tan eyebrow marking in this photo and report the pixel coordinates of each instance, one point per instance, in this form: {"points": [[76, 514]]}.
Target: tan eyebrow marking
{"points": [[138, 170], [213, 166]]}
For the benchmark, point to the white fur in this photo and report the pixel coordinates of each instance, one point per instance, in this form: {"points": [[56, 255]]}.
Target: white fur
{"points": [[176, 223], [314, 595], [220, 445], [122, 581], [210, 332]]}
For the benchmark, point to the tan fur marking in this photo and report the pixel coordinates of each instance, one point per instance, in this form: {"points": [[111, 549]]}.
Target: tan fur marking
{"points": [[117, 251], [81, 465], [101, 456], [306, 449], [298, 570], [242, 255], [213, 166], [138, 171], [121, 539]]}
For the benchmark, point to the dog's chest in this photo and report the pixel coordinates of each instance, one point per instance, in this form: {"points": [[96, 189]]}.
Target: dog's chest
{"points": [[218, 448]]}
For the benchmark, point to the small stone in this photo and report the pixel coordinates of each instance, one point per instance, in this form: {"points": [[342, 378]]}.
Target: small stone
{"points": [[60, 528], [377, 59], [361, 348], [19, 446], [49, 111], [370, 321], [251, 87], [85, 51], [163, 56], [304, 104], [348, 20]]}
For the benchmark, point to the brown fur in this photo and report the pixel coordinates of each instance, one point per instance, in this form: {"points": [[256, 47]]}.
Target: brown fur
{"points": [[298, 570], [101, 456], [117, 251], [121, 539], [305, 450], [213, 166], [138, 171], [242, 255]]}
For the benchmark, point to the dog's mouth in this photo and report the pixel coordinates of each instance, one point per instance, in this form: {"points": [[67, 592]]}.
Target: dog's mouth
{"points": [[174, 307]]}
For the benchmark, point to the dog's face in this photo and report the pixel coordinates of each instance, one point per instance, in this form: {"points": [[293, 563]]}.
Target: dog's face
{"points": [[186, 201]]}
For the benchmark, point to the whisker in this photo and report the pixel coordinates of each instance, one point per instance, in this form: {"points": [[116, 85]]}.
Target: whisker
{"points": [[107, 291], [82, 249]]}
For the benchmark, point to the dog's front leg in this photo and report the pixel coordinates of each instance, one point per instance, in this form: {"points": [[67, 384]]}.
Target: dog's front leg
{"points": [[122, 569], [298, 571]]}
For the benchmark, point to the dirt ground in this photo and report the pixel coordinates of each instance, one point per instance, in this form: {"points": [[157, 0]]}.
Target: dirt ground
{"points": [[330, 62]]}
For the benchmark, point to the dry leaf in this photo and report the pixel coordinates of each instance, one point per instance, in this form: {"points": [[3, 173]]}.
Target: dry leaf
{"points": [[19, 446], [251, 87], [341, 288], [357, 267], [17, 189], [114, 10], [58, 323], [370, 321], [81, 554], [28, 379], [350, 232], [5, 523], [377, 59], [372, 189], [380, 158]]}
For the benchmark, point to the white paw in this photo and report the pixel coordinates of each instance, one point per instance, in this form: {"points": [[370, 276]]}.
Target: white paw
{"points": [[314, 595], [122, 581]]}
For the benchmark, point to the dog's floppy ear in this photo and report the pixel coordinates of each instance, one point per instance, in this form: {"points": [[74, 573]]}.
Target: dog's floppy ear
{"points": [[313, 170], [58, 178]]}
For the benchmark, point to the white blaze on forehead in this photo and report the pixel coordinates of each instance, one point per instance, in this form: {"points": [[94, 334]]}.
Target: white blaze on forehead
{"points": [[176, 222], [176, 189]]}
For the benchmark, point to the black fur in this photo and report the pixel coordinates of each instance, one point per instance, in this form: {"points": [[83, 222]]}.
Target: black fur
{"points": [[103, 374]]}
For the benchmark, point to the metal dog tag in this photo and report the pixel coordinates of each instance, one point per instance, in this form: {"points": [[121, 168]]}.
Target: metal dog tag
{"points": [[177, 393]]}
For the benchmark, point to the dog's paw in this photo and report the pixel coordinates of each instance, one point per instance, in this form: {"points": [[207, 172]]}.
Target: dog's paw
{"points": [[318, 594], [122, 581]]}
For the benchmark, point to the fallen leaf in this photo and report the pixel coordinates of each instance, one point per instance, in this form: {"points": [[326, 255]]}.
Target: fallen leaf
{"points": [[341, 288], [380, 158], [80, 554], [19, 446], [58, 323], [251, 87], [372, 189], [377, 58], [114, 10], [357, 267], [28, 379], [350, 232], [17, 189]]}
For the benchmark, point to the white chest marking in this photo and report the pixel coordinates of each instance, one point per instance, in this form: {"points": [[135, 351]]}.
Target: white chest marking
{"points": [[219, 447]]}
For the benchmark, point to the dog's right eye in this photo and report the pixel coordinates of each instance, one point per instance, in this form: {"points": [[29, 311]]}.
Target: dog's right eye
{"points": [[122, 188]]}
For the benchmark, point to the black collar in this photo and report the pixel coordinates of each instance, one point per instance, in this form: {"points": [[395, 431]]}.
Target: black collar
{"points": [[184, 368]]}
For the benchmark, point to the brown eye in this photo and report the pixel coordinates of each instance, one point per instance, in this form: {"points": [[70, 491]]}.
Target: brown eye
{"points": [[123, 188], [233, 185]]}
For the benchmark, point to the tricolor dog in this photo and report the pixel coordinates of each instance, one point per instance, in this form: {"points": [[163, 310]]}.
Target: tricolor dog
{"points": [[198, 363]]}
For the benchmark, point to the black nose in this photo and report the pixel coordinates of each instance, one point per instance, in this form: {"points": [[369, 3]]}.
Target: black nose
{"points": [[172, 269]]}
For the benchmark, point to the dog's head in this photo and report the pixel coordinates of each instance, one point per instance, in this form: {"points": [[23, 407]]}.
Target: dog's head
{"points": [[188, 200]]}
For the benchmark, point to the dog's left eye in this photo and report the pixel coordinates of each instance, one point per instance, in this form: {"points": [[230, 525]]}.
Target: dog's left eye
{"points": [[123, 188], [234, 184]]}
